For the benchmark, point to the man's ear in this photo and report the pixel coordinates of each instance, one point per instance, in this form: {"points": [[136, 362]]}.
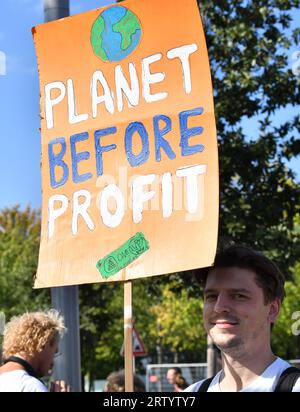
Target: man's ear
{"points": [[274, 310]]}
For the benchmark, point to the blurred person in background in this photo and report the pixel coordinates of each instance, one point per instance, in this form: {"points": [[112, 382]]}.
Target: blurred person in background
{"points": [[175, 378], [116, 382], [30, 343]]}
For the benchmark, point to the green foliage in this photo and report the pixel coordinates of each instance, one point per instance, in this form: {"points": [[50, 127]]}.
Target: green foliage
{"points": [[101, 317], [249, 45], [285, 343], [180, 322], [19, 246], [102, 325]]}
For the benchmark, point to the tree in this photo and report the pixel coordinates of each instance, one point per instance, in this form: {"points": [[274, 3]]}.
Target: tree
{"points": [[19, 246], [286, 336], [100, 317], [249, 44], [102, 325], [180, 321]]}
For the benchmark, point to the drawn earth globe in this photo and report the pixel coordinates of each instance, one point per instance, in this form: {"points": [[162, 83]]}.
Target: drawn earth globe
{"points": [[115, 34]]}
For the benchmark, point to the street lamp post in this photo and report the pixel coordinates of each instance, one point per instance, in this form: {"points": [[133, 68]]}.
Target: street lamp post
{"points": [[65, 299]]}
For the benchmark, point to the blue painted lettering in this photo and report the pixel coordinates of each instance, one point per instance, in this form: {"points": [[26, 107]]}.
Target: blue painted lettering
{"points": [[160, 142], [101, 149], [78, 157], [143, 156], [186, 133], [56, 160]]}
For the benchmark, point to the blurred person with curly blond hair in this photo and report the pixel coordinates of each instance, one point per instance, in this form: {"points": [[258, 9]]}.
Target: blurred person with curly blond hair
{"points": [[30, 343]]}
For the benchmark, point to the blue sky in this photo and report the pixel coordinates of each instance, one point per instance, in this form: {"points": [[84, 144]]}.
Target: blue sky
{"points": [[20, 180]]}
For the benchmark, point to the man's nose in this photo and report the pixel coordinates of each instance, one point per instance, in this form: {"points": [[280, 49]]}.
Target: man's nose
{"points": [[222, 304]]}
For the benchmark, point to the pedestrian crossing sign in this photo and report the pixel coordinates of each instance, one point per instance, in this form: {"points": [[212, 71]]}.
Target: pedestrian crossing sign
{"points": [[138, 347]]}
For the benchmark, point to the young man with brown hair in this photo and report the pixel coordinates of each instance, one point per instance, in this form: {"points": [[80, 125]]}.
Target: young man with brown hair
{"points": [[243, 292]]}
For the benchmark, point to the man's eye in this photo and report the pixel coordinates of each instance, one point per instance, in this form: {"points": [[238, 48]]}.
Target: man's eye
{"points": [[239, 296], [210, 297]]}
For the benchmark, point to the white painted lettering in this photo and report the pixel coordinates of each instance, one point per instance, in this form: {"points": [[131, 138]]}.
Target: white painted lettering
{"points": [[53, 213], [167, 194], [50, 103], [73, 116], [191, 173], [106, 98], [80, 209], [132, 93], [183, 53], [139, 196], [112, 219], [152, 78]]}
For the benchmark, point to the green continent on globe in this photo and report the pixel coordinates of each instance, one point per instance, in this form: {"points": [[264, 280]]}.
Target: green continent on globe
{"points": [[127, 26], [96, 38]]}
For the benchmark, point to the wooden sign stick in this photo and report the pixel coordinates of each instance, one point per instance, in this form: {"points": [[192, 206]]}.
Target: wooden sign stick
{"points": [[128, 336]]}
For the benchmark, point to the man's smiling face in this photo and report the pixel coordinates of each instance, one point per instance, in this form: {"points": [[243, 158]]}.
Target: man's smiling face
{"points": [[235, 313]]}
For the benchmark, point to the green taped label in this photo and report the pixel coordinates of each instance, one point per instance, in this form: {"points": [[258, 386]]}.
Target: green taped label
{"points": [[123, 256]]}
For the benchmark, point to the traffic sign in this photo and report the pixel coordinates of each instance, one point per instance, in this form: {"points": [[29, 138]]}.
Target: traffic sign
{"points": [[138, 347]]}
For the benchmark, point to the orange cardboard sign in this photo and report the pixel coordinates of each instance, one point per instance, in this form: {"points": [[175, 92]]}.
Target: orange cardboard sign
{"points": [[129, 148]]}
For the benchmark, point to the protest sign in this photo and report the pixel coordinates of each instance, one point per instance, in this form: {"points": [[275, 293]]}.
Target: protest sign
{"points": [[129, 148]]}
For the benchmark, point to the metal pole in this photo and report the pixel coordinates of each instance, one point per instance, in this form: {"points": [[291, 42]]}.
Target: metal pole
{"points": [[159, 357], [56, 9], [211, 358], [65, 299], [67, 366], [128, 353]]}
